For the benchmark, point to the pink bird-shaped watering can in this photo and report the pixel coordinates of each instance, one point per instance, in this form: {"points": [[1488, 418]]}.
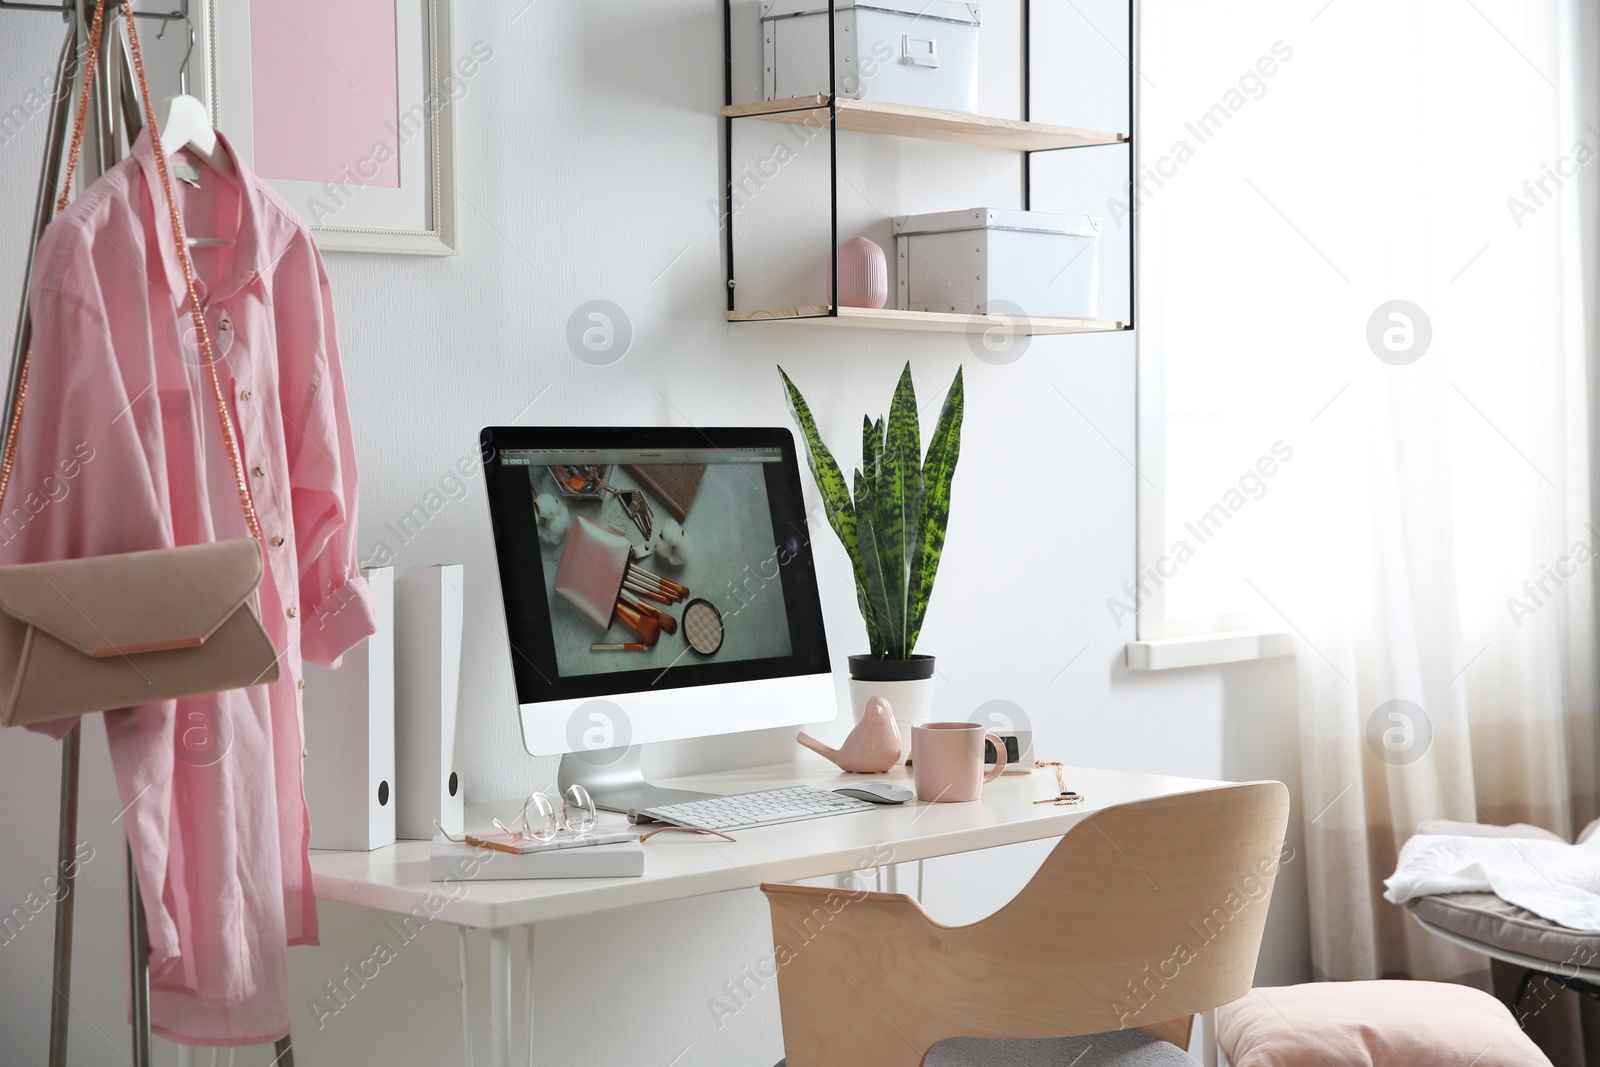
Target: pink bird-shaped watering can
{"points": [[872, 747]]}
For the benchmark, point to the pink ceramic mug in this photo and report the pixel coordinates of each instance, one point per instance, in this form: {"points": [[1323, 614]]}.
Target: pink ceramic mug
{"points": [[947, 760]]}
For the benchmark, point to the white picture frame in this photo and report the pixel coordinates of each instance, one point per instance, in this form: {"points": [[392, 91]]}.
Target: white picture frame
{"points": [[416, 218]]}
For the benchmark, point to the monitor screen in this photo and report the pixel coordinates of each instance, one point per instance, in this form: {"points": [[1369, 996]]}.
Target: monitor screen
{"points": [[634, 559]]}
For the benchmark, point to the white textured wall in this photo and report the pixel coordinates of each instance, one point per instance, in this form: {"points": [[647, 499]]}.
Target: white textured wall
{"points": [[588, 155]]}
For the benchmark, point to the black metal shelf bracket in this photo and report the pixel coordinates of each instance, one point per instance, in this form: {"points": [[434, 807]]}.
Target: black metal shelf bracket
{"points": [[728, 126]]}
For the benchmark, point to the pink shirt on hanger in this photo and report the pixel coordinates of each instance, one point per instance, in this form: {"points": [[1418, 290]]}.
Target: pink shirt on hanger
{"points": [[120, 450]]}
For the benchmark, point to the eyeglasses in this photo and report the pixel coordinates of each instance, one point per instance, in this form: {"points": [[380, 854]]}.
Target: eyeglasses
{"points": [[543, 817]]}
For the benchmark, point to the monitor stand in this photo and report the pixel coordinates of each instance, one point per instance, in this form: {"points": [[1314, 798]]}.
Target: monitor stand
{"points": [[613, 778]]}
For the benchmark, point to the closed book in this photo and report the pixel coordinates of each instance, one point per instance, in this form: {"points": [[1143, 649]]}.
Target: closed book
{"points": [[454, 860]]}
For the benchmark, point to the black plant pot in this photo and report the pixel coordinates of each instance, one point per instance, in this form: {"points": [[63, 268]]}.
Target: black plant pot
{"points": [[872, 669]]}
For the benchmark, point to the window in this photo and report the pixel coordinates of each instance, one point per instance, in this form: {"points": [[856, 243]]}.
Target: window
{"points": [[1326, 192], [1211, 446]]}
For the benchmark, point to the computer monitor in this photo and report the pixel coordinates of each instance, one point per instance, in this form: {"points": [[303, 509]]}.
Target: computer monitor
{"points": [[658, 585]]}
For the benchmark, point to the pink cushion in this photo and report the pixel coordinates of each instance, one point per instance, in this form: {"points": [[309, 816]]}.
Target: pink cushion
{"points": [[1372, 1024]]}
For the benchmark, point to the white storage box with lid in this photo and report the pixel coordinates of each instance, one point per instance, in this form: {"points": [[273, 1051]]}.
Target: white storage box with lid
{"points": [[968, 261], [921, 52]]}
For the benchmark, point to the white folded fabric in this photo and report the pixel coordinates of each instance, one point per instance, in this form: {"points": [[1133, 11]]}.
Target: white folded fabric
{"points": [[1552, 879]]}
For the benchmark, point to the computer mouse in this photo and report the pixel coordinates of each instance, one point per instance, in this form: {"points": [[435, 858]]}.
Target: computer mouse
{"points": [[877, 792]]}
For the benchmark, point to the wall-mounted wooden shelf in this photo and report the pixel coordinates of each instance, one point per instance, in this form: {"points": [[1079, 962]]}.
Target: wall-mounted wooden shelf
{"points": [[927, 321], [828, 113], [927, 123]]}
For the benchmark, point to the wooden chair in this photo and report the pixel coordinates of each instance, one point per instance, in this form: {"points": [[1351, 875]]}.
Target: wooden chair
{"points": [[1143, 915]]}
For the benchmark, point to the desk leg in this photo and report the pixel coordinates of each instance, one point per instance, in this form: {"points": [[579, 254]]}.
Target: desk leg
{"points": [[1208, 1038], [889, 879], [500, 997], [466, 1006], [528, 974]]}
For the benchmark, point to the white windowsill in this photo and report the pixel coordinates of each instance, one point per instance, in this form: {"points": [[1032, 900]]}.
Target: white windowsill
{"points": [[1204, 650]]}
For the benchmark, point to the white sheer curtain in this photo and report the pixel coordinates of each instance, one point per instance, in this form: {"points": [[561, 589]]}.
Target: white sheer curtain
{"points": [[1430, 540], [1442, 576]]}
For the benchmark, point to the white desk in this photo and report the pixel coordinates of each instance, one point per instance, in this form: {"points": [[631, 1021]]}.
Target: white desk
{"points": [[396, 878]]}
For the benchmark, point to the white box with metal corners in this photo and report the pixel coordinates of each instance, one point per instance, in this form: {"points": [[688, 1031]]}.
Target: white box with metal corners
{"points": [[919, 52], [984, 261]]}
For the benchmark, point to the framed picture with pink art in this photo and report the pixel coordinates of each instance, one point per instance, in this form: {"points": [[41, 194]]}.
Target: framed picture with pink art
{"points": [[346, 110]]}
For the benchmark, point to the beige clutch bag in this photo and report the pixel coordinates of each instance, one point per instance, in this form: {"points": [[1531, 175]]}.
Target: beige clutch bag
{"points": [[108, 632], [85, 635]]}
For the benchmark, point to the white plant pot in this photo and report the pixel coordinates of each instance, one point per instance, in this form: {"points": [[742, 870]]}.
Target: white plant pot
{"points": [[911, 702]]}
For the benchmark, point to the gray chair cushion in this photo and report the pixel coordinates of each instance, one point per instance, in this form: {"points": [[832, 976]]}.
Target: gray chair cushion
{"points": [[1485, 918], [1117, 1048]]}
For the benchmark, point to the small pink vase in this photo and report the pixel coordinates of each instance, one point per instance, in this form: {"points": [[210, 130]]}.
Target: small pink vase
{"points": [[863, 274]]}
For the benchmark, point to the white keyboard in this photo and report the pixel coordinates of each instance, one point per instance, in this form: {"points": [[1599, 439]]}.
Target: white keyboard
{"points": [[757, 809]]}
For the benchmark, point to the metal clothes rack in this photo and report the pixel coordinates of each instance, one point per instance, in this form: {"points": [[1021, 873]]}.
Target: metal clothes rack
{"points": [[115, 119], [67, 9]]}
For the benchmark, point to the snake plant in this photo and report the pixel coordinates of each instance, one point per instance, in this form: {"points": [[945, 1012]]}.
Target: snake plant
{"points": [[894, 527]]}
